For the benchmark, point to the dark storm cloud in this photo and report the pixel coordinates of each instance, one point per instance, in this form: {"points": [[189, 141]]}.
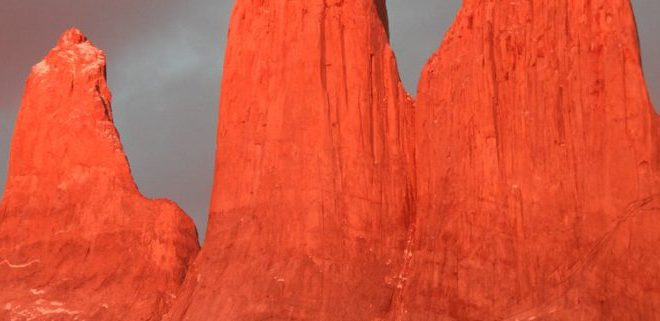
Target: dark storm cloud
{"points": [[164, 65]]}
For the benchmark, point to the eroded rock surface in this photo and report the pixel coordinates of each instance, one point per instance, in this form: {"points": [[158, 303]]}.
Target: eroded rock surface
{"points": [[313, 186], [524, 187], [77, 239], [537, 167]]}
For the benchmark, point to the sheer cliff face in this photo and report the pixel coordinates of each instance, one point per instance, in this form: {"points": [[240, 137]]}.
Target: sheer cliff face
{"points": [[313, 186], [524, 187], [537, 167], [77, 239]]}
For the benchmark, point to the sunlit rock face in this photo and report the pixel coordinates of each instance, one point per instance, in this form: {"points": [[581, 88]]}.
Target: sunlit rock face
{"points": [[523, 184], [314, 186], [537, 168], [77, 239]]}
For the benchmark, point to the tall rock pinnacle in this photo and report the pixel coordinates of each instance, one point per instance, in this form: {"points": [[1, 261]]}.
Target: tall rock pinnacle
{"points": [[537, 168], [313, 187], [77, 239]]}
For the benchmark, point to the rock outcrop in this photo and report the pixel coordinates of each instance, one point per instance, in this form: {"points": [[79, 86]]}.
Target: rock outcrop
{"points": [[537, 168], [314, 181], [77, 239], [524, 185]]}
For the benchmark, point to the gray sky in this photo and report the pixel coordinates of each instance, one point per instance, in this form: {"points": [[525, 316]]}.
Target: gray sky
{"points": [[164, 65]]}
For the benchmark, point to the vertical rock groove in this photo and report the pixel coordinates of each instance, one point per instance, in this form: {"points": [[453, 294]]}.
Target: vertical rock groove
{"points": [[530, 204], [524, 186], [310, 208]]}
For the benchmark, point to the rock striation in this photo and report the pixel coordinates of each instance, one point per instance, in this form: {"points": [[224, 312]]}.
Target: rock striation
{"points": [[313, 189], [77, 239], [537, 168], [524, 184]]}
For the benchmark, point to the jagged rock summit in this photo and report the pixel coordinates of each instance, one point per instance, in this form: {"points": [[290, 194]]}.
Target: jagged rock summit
{"points": [[77, 239], [313, 188]]}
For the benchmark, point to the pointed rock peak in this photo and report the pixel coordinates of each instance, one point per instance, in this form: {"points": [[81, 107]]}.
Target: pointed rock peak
{"points": [[74, 49], [69, 82], [69, 182], [71, 37]]}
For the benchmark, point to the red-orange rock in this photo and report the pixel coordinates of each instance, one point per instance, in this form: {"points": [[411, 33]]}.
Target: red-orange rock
{"points": [[313, 186], [537, 168], [77, 239]]}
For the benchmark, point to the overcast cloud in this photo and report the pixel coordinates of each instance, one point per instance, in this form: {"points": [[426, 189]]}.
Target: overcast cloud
{"points": [[164, 65]]}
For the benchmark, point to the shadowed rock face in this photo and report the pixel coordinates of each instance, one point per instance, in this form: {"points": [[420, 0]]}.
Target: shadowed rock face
{"points": [[537, 167], [77, 239], [313, 186]]}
